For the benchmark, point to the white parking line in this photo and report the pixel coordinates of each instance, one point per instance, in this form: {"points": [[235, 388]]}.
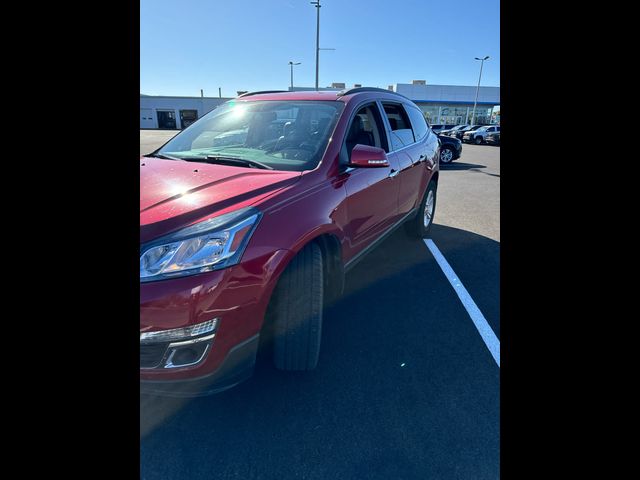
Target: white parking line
{"points": [[487, 334]]}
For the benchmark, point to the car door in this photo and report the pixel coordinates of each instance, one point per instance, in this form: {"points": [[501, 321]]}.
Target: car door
{"points": [[372, 193], [409, 154]]}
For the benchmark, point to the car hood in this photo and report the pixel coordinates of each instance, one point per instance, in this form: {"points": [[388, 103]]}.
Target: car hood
{"points": [[175, 194]]}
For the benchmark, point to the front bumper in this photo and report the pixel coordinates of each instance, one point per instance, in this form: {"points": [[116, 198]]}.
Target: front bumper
{"points": [[237, 296], [457, 151], [236, 367]]}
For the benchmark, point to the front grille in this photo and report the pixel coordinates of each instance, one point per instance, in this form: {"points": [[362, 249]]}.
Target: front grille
{"points": [[151, 355]]}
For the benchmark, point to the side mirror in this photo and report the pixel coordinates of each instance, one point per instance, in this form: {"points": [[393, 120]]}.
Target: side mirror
{"points": [[365, 156]]}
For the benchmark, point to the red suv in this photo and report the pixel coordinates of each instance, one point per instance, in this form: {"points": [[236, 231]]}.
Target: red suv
{"points": [[250, 218]]}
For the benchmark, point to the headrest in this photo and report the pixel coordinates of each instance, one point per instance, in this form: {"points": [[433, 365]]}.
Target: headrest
{"points": [[356, 127], [265, 117]]}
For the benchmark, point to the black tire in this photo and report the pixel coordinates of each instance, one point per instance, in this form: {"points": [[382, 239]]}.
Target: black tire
{"points": [[297, 312], [416, 227], [446, 155], [478, 140]]}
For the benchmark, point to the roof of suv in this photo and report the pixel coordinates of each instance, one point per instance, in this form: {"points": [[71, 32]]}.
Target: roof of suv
{"points": [[331, 95], [304, 95]]}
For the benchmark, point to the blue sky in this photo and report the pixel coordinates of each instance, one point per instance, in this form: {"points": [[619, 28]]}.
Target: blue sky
{"points": [[187, 45]]}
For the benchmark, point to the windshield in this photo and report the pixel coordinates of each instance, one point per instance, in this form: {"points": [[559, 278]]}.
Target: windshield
{"points": [[283, 135]]}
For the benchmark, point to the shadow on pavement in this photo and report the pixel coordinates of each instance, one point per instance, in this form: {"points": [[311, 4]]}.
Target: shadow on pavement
{"points": [[405, 387], [460, 166]]}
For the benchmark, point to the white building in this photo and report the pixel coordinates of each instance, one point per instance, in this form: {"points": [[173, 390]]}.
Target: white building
{"points": [[174, 112], [451, 104]]}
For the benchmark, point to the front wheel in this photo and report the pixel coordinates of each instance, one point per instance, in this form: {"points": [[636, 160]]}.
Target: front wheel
{"points": [[421, 224], [478, 140], [446, 155], [298, 300]]}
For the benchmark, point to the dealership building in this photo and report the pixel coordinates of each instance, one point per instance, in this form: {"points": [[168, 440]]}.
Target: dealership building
{"points": [[441, 104], [453, 104]]}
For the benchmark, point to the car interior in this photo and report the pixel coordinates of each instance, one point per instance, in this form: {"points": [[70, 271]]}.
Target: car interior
{"points": [[365, 129]]}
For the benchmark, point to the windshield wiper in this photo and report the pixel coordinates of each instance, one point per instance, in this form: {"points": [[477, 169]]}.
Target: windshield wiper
{"points": [[233, 161], [164, 157]]}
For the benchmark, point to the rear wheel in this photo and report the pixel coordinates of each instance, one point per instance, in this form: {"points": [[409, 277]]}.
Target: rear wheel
{"points": [[446, 155], [421, 224], [297, 311]]}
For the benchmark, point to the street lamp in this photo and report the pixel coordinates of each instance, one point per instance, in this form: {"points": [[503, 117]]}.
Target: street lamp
{"points": [[473, 116], [292, 64], [317, 5]]}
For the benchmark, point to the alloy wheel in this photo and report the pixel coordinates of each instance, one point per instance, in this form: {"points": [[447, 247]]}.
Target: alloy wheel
{"points": [[428, 209]]}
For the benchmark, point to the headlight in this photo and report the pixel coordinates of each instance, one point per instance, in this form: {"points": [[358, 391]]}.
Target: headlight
{"points": [[210, 245]]}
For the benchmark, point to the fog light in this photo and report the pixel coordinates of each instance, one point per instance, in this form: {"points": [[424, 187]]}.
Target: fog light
{"points": [[186, 355], [189, 354]]}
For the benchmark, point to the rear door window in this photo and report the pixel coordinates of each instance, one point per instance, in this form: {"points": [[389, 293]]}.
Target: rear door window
{"points": [[401, 132], [418, 123]]}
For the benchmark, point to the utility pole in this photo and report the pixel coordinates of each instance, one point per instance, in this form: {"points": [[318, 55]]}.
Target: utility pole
{"points": [[317, 5], [473, 116]]}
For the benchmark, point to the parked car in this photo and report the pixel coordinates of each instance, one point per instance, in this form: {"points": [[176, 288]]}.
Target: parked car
{"points": [[247, 241], [493, 138], [450, 149], [452, 130], [459, 133], [438, 128], [478, 136]]}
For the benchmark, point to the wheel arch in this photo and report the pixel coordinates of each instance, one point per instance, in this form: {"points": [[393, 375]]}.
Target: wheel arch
{"points": [[333, 275], [332, 264]]}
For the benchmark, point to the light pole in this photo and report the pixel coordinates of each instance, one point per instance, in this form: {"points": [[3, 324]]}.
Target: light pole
{"points": [[317, 5], [292, 64], [473, 116]]}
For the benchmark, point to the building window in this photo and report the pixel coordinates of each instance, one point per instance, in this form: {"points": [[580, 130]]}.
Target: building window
{"points": [[456, 114], [187, 117]]}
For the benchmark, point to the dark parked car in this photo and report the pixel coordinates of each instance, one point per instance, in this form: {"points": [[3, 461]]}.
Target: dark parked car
{"points": [[451, 131], [450, 149], [459, 133], [248, 240], [493, 138]]}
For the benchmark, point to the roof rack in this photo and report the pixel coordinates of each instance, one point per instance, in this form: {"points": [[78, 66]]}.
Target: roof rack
{"points": [[368, 89], [248, 94]]}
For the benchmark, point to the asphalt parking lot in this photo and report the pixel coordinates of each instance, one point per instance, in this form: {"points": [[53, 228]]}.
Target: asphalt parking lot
{"points": [[406, 387]]}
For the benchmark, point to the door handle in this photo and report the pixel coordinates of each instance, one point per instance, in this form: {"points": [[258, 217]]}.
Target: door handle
{"points": [[393, 173]]}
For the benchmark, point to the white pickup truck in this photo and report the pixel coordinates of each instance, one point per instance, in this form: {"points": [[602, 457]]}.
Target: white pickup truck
{"points": [[479, 135]]}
